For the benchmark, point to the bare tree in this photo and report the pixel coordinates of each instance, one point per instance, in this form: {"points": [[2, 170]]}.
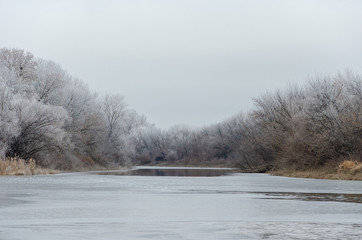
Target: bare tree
{"points": [[20, 62]]}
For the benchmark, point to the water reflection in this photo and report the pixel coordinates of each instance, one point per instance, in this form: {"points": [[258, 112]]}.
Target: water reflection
{"points": [[175, 172]]}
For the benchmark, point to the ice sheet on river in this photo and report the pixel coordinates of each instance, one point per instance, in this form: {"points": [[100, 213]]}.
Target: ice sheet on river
{"points": [[239, 206]]}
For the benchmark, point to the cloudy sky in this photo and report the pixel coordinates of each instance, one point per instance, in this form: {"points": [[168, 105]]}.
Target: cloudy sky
{"points": [[193, 62]]}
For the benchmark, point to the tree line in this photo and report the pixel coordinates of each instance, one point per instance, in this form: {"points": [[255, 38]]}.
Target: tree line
{"points": [[53, 117], [298, 128], [48, 115]]}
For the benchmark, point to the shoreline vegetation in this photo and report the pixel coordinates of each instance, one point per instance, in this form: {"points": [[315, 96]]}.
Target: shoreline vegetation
{"points": [[46, 114], [347, 170], [15, 166], [11, 166]]}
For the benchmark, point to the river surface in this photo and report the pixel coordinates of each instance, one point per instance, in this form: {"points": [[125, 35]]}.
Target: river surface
{"points": [[169, 204]]}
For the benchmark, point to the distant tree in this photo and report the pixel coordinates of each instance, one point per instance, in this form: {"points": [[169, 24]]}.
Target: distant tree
{"points": [[181, 137]]}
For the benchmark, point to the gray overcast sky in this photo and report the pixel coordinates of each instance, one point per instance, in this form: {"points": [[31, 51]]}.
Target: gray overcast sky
{"points": [[193, 62]]}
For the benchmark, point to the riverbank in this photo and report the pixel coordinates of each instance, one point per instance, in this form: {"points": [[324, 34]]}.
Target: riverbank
{"points": [[346, 170], [317, 175]]}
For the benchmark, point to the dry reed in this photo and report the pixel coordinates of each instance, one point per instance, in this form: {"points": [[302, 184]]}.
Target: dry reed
{"points": [[18, 166]]}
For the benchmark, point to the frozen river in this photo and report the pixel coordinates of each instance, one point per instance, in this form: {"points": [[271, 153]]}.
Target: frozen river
{"points": [[178, 206]]}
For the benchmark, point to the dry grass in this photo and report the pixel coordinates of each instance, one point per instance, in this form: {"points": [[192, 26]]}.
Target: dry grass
{"points": [[346, 170], [18, 166], [349, 166]]}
